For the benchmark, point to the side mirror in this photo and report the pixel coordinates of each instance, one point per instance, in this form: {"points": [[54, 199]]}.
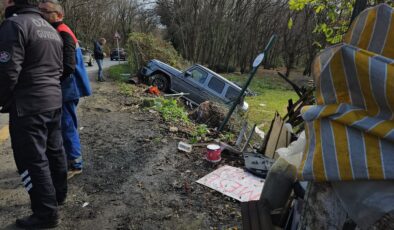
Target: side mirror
{"points": [[188, 74]]}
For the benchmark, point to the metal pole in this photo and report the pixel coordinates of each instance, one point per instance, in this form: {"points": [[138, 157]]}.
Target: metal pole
{"points": [[256, 65], [117, 42]]}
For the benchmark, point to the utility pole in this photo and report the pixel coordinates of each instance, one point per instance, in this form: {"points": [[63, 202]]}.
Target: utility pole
{"points": [[117, 37], [256, 64]]}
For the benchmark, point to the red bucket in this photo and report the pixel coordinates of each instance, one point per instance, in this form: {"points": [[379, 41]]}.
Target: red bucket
{"points": [[213, 153]]}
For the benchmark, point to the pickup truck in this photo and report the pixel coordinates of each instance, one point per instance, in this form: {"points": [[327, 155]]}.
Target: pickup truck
{"points": [[200, 83]]}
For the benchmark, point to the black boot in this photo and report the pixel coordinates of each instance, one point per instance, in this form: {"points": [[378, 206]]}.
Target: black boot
{"points": [[38, 222]]}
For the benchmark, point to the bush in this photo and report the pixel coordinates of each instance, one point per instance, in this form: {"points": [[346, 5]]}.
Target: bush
{"points": [[171, 111], [144, 47]]}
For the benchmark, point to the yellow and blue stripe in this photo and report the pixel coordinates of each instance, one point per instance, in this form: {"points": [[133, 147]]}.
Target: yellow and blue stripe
{"points": [[350, 130]]}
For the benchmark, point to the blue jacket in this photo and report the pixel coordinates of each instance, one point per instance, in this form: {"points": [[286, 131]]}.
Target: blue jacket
{"points": [[77, 85]]}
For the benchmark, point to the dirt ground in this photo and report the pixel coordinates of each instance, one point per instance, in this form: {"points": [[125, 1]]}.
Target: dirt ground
{"points": [[134, 177]]}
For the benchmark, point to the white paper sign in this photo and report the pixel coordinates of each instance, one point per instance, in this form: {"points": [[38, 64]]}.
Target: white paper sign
{"points": [[235, 183]]}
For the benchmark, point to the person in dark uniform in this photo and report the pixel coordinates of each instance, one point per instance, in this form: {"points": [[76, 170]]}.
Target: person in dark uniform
{"points": [[75, 84], [30, 70]]}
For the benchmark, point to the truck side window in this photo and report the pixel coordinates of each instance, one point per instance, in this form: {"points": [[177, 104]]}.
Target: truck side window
{"points": [[232, 93], [216, 85], [199, 76]]}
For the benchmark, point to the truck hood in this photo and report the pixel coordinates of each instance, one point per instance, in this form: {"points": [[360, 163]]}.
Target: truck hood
{"points": [[171, 70]]}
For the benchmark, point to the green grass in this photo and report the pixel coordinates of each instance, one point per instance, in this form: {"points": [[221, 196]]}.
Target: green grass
{"points": [[273, 94], [116, 71], [262, 107], [126, 89]]}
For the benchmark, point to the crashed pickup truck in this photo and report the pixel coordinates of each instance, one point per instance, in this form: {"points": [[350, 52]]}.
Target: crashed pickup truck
{"points": [[198, 82]]}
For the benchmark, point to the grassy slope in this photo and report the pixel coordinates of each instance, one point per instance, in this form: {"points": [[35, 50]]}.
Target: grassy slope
{"points": [[116, 71], [272, 92]]}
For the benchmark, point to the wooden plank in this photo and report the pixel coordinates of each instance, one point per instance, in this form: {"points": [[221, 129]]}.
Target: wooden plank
{"points": [[282, 140], [273, 137], [249, 138], [264, 217], [245, 216], [241, 134], [253, 215]]}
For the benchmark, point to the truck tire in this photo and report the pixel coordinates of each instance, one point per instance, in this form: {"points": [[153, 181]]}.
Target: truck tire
{"points": [[161, 82]]}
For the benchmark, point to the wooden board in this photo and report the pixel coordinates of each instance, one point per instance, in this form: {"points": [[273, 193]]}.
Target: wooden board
{"points": [[278, 137], [255, 217]]}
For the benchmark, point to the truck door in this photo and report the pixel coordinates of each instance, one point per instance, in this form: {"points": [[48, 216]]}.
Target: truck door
{"points": [[194, 84], [215, 87]]}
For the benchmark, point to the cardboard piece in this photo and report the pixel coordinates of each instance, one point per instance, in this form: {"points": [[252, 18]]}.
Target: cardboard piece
{"points": [[234, 182], [278, 137]]}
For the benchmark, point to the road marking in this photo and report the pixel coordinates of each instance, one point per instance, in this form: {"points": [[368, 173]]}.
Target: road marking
{"points": [[4, 133]]}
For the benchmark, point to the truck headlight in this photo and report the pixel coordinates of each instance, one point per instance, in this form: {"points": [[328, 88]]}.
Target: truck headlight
{"points": [[245, 106]]}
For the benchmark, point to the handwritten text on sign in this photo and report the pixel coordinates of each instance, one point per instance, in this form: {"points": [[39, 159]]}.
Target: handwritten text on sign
{"points": [[235, 183]]}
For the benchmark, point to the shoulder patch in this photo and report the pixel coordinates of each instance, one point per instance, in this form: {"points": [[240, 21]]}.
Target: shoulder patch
{"points": [[4, 56]]}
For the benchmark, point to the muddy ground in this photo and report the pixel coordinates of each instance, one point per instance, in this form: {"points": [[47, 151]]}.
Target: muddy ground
{"points": [[134, 177]]}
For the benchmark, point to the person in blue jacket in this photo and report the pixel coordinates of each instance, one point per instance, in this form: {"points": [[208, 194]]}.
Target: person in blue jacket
{"points": [[99, 56], [75, 84]]}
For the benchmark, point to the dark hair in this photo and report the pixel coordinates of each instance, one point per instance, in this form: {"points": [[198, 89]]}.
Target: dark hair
{"points": [[27, 2]]}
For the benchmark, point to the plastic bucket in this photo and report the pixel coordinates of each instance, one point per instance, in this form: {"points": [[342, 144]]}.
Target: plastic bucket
{"points": [[213, 153]]}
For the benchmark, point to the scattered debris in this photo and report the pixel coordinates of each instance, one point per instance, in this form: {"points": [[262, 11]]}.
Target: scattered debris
{"points": [[258, 164], [249, 138], [185, 147], [153, 90], [173, 129], [235, 183], [260, 133], [229, 150], [213, 153], [176, 95], [208, 113]]}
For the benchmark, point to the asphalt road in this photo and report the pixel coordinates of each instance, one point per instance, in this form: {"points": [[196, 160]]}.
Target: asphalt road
{"points": [[92, 70]]}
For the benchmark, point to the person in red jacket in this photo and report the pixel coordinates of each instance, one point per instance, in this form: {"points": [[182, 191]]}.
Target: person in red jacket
{"points": [[74, 82]]}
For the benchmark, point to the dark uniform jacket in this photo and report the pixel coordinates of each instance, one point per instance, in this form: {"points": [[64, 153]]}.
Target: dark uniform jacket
{"points": [[30, 63]]}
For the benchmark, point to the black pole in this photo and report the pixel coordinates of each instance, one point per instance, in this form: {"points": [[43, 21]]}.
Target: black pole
{"points": [[256, 65]]}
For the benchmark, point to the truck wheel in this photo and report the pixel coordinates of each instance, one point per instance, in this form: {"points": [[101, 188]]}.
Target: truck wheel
{"points": [[161, 82]]}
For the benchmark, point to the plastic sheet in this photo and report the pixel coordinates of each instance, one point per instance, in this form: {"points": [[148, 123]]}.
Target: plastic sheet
{"points": [[293, 153], [366, 201]]}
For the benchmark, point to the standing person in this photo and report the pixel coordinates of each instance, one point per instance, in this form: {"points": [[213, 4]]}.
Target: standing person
{"points": [[30, 71], [74, 82], [99, 56]]}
